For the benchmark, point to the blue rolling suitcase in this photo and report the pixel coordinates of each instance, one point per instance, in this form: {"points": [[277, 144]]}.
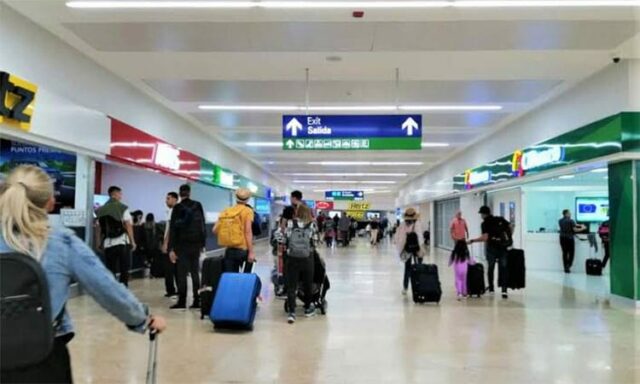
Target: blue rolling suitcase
{"points": [[235, 302]]}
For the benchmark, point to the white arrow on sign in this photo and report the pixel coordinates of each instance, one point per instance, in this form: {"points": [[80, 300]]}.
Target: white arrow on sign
{"points": [[409, 125], [290, 144], [293, 126]]}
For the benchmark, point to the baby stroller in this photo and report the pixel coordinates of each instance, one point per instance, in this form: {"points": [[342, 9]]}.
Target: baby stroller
{"points": [[320, 286]]}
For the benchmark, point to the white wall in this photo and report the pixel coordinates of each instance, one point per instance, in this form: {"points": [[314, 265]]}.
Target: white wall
{"points": [[34, 54], [606, 93]]}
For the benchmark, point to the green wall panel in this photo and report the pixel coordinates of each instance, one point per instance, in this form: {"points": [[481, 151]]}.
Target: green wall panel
{"points": [[637, 234], [631, 131], [621, 212]]}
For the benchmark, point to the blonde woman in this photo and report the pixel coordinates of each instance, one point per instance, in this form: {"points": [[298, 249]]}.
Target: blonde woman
{"points": [[26, 197]]}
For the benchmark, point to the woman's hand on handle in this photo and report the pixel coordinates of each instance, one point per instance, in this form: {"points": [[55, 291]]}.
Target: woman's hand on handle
{"points": [[157, 324]]}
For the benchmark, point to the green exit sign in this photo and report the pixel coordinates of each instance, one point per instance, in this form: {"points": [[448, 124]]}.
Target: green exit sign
{"points": [[374, 143]]}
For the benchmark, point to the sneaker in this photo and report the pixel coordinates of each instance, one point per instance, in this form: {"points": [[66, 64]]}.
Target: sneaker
{"points": [[195, 305], [168, 295], [404, 292], [504, 295], [459, 297], [310, 312], [291, 318], [179, 306], [490, 290]]}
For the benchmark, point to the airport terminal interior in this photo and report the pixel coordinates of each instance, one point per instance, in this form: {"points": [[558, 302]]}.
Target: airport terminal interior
{"points": [[447, 190]]}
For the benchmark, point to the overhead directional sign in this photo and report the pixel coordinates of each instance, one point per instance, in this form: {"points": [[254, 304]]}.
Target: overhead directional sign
{"points": [[351, 132], [343, 195]]}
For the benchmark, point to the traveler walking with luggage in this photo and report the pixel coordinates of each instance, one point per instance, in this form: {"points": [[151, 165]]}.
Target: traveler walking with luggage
{"points": [[116, 232], [234, 231], [299, 238], [329, 232], [408, 243], [375, 229], [496, 234], [458, 228], [461, 260], [170, 269], [568, 230], [43, 260], [603, 232], [187, 238]]}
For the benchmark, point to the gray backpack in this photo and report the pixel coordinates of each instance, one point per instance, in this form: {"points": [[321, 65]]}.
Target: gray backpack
{"points": [[299, 241]]}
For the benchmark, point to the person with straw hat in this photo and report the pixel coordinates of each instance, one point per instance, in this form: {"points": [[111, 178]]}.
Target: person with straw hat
{"points": [[408, 244], [235, 233]]}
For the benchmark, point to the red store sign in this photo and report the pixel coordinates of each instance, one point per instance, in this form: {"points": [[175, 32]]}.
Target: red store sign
{"points": [[133, 146], [324, 205]]}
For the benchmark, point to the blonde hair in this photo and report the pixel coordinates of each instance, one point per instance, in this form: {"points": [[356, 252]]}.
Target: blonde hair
{"points": [[23, 217]]}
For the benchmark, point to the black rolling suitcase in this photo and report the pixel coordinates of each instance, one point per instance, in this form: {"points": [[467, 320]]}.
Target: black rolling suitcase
{"points": [[516, 269], [211, 272], [475, 280], [593, 267], [425, 283]]}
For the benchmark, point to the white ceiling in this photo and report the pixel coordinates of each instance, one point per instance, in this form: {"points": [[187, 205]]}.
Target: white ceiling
{"points": [[517, 58]]}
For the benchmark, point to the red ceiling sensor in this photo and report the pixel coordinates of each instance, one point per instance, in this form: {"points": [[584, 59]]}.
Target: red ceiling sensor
{"points": [[358, 14]]}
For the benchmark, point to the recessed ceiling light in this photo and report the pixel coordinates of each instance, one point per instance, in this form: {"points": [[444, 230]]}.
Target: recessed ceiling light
{"points": [[264, 144], [434, 145], [337, 174], [564, 177], [151, 4], [600, 170]]}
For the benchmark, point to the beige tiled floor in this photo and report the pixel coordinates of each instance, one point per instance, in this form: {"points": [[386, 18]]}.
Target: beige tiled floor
{"points": [[372, 334]]}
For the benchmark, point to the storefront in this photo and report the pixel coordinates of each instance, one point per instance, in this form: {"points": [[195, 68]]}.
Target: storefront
{"points": [[592, 171]]}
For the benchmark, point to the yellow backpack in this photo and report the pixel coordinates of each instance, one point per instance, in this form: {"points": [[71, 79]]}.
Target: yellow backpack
{"points": [[231, 228]]}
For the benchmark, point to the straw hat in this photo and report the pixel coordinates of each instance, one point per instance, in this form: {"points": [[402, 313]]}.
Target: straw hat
{"points": [[243, 194], [411, 214]]}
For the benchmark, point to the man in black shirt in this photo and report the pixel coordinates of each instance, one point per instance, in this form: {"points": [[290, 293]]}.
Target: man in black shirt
{"points": [[187, 237], [496, 234], [568, 229]]}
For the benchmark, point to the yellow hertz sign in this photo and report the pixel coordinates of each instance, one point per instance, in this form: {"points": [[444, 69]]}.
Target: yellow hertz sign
{"points": [[359, 206], [17, 99]]}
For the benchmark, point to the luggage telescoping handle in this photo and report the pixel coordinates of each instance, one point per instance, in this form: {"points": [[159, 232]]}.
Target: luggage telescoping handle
{"points": [[253, 266], [153, 357]]}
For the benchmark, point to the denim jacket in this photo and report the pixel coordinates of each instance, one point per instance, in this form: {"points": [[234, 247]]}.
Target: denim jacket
{"points": [[68, 259]]}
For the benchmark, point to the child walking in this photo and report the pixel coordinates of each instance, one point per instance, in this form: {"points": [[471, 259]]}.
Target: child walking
{"points": [[460, 259]]}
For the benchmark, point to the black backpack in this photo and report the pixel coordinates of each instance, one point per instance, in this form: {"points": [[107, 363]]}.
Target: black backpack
{"points": [[502, 237], [412, 245], [26, 327], [256, 226], [190, 222], [110, 227]]}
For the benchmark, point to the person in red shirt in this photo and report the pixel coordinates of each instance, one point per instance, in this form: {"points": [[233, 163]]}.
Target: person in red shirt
{"points": [[458, 228]]}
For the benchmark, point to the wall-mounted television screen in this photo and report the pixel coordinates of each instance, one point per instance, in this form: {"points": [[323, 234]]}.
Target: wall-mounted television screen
{"points": [[592, 209]]}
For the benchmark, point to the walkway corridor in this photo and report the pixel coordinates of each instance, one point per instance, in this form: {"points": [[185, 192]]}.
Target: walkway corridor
{"points": [[372, 334]]}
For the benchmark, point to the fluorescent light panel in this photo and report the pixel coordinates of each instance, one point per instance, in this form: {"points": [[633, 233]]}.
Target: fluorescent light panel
{"points": [[264, 144], [434, 145], [600, 170], [351, 163], [337, 174], [347, 108], [149, 4], [566, 177], [343, 182]]}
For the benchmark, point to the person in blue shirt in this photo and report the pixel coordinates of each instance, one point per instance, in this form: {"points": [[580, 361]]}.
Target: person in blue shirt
{"points": [[26, 197]]}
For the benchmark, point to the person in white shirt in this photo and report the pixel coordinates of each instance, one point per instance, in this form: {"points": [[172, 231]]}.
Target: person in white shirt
{"points": [[170, 272], [116, 232]]}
